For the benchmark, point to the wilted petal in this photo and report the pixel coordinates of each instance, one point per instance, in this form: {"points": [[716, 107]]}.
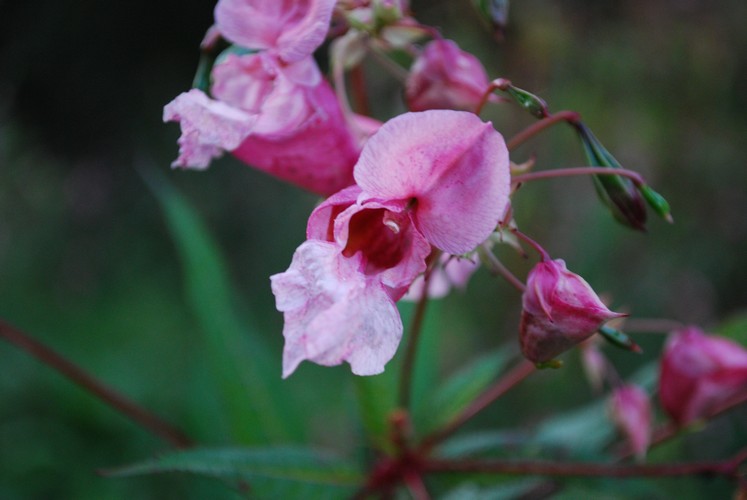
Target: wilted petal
{"points": [[451, 164], [700, 372], [209, 127], [334, 313], [292, 29]]}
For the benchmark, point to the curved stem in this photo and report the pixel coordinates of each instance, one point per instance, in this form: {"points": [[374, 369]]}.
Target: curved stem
{"points": [[120, 403], [543, 253], [497, 268], [507, 382], [637, 179], [537, 127]]}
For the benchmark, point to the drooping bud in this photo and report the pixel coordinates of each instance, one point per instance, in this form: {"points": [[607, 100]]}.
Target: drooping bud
{"points": [[445, 77], [560, 310], [617, 192], [699, 373], [630, 410], [494, 13]]}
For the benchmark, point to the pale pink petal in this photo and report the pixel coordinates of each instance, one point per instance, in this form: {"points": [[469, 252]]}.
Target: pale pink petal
{"points": [[209, 127], [321, 223], [291, 28], [451, 163], [333, 313]]}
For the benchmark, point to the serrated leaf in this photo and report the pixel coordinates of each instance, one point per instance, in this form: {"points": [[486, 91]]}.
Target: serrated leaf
{"points": [[269, 472], [246, 375], [454, 395]]}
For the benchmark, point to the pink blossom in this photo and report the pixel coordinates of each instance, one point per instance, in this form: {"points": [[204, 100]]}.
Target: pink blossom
{"points": [[631, 411], [298, 132], [209, 127], [560, 310], [699, 373], [291, 29], [333, 313], [368, 242], [445, 77], [449, 167]]}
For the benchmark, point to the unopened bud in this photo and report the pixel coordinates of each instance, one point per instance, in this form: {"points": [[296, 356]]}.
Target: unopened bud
{"points": [[699, 373], [560, 310], [536, 106]]}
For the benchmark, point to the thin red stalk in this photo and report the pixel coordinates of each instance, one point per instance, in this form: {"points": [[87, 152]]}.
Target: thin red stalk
{"points": [[360, 95], [507, 382], [568, 172], [498, 84], [537, 127], [416, 486], [120, 403], [416, 327], [543, 253], [724, 467], [497, 268]]}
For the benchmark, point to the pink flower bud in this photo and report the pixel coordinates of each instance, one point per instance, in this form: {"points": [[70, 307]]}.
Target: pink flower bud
{"points": [[560, 311], [445, 77], [699, 373], [631, 411]]}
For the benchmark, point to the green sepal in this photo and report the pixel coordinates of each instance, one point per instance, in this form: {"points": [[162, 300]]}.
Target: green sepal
{"points": [[657, 202], [619, 339], [532, 103], [618, 193]]}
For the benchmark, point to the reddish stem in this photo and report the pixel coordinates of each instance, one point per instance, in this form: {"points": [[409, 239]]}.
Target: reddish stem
{"points": [[537, 127], [637, 179], [526, 239], [724, 467], [507, 382], [120, 403]]}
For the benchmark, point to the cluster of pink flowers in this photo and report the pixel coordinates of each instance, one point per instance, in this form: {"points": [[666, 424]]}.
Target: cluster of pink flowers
{"points": [[419, 193]]}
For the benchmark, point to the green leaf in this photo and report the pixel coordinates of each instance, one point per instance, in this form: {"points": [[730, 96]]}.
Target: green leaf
{"points": [[269, 472], [450, 398], [246, 374], [377, 398], [735, 327]]}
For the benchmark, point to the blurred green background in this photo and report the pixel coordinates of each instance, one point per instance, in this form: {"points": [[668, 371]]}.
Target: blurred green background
{"points": [[89, 264]]}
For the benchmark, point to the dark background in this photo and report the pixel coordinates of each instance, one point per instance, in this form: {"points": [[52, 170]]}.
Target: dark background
{"points": [[88, 267]]}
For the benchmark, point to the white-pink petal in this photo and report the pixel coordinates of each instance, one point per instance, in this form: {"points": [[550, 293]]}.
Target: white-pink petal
{"points": [[209, 127], [333, 313]]}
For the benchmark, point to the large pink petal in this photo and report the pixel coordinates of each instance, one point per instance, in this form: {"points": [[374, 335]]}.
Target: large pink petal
{"points": [[291, 28], [454, 165]]}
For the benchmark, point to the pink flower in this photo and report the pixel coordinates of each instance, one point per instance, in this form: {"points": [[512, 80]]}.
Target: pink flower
{"points": [[560, 310], [699, 373], [298, 132], [437, 178], [291, 29], [209, 127], [445, 77], [631, 411]]}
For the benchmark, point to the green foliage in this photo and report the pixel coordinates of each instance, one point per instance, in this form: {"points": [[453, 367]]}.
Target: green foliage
{"points": [[262, 472]]}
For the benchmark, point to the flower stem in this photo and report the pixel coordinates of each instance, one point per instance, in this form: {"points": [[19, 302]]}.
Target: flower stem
{"points": [[497, 268], [543, 253], [637, 179], [120, 403], [507, 382], [416, 327], [723, 467], [537, 127]]}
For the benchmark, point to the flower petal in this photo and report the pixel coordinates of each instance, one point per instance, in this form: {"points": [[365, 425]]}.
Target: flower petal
{"points": [[452, 163]]}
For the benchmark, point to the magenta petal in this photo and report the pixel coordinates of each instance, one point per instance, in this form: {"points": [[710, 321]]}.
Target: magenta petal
{"points": [[322, 219], [454, 165], [291, 28], [333, 313], [208, 127]]}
